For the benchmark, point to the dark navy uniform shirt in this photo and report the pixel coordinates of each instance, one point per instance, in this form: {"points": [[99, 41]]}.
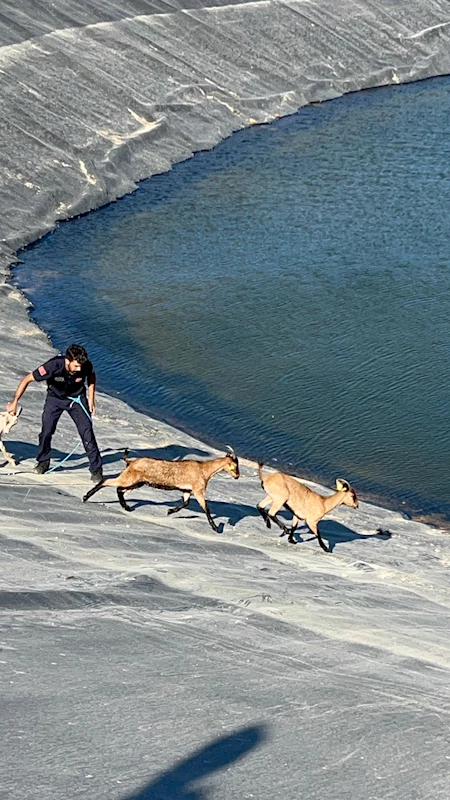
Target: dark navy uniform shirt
{"points": [[60, 383]]}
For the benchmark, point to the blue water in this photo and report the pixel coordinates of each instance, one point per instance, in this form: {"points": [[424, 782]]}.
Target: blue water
{"points": [[287, 292]]}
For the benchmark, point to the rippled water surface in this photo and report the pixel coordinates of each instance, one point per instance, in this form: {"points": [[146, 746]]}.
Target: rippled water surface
{"points": [[287, 292]]}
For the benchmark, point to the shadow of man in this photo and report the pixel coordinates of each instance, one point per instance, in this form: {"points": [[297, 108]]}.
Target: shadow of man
{"points": [[177, 783]]}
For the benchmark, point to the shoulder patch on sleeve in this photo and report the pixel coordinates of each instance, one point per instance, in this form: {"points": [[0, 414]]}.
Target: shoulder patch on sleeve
{"points": [[42, 370]]}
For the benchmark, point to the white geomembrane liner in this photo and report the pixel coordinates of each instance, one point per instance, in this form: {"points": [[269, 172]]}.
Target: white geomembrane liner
{"points": [[143, 655]]}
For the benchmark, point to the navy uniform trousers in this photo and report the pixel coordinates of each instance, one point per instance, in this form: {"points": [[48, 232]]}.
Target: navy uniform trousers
{"points": [[53, 408]]}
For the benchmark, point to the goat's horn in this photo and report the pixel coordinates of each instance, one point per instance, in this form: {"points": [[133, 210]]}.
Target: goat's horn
{"points": [[342, 485], [230, 450]]}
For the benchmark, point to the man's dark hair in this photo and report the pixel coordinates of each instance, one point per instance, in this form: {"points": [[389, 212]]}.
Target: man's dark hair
{"points": [[76, 353]]}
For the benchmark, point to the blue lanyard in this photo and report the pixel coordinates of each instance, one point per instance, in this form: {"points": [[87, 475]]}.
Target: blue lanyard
{"points": [[76, 400]]}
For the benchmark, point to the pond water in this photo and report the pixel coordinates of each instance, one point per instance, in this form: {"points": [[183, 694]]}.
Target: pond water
{"points": [[286, 292]]}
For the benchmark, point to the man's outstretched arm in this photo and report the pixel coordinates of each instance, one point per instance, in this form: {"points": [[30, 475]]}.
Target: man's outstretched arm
{"points": [[12, 406]]}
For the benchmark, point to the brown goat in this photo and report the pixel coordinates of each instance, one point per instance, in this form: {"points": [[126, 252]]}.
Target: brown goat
{"points": [[7, 421], [189, 476], [302, 502]]}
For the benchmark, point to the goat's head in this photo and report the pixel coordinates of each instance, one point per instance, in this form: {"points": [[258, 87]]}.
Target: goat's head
{"points": [[10, 419], [232, 463], [349, 497]]}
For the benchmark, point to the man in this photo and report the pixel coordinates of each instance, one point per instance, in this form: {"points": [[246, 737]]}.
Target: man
{"points": [[66, 378]]}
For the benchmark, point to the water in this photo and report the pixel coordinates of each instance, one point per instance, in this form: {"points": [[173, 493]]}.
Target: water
{"points": [[286, 292]]}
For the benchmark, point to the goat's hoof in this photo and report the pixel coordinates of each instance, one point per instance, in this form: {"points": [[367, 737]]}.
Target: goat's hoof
{"points": [[292, 539], [85, 498], [268, 525]]}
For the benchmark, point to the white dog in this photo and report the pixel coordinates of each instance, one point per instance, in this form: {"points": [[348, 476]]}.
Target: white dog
{"points": [[7, 421]]}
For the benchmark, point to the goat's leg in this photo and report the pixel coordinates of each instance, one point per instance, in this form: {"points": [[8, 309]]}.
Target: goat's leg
{"points": [[183, 504], [122, 489], [284, 528], [9, 458], [96, 488], [122, 502], [262, 510], [100, 485], [295, 521], [313, 526], [200, 497], [273, 511]]}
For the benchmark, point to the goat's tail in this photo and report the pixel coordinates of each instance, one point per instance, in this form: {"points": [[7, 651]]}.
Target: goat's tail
{"points": [[261, 476], [125, 456]]}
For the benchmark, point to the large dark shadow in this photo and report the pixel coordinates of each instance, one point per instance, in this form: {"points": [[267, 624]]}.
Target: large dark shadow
{"points": [[233, 512], [24, 450], [171, 452], [335, 533], [179, 782]]}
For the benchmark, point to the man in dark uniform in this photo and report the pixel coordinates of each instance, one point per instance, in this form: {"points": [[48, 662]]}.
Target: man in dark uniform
{"points": [[66, 378]]}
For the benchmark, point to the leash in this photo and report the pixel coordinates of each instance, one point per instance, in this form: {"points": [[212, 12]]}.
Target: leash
{"points": [[76, 400]]}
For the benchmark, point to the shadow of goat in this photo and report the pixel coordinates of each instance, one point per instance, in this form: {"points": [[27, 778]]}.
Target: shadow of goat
{"points": [[336, 533]]}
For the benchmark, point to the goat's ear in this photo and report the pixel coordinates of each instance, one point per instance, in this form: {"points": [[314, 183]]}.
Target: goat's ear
{"points": [[342, 485]]}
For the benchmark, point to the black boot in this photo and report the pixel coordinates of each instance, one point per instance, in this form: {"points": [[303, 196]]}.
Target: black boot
{"points": [[97, 475], [42, 467]]}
